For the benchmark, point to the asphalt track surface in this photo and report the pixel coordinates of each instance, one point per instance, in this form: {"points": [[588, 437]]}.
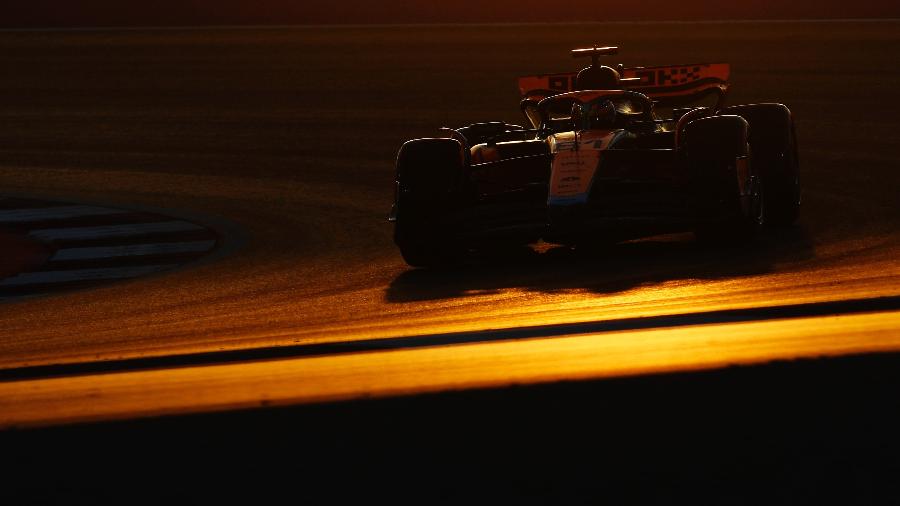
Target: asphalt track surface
{"points": [[283, 140]]}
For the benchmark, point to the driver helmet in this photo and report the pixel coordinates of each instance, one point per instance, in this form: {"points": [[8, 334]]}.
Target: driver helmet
{"points": [[603, 114]]}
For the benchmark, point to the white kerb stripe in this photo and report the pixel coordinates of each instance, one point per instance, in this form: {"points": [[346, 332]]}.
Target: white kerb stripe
{"points": [[55, 213], [172, 248], [112, 231], [51, 277]]}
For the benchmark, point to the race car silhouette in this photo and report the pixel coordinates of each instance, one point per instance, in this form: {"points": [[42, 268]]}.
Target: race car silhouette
{"points": [[610, 154]]}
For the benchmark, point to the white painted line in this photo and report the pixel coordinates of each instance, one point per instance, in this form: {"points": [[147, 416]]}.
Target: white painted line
{"points": [[132, 250], [112, 231], [51, 277], [55, 213]]}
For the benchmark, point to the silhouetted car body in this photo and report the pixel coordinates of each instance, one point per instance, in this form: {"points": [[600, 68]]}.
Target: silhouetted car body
{"points": [[600, 166]]}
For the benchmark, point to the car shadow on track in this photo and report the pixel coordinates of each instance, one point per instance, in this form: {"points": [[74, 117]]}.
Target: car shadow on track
{"points": [[608, 270]]}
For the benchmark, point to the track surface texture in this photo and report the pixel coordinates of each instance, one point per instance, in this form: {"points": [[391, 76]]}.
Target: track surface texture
{"points": [[290, 133]]}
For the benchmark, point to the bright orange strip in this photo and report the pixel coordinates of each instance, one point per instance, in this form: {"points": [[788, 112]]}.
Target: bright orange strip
{"points": [[497, 364]]}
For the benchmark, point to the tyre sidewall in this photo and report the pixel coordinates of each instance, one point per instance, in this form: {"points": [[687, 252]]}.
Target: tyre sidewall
{"points": [[430, 173], [773, 142], [718, 157]]}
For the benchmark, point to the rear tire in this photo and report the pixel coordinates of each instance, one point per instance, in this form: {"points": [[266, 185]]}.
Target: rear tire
{"points": [[429, 175], [726, 190], [774, 144]]}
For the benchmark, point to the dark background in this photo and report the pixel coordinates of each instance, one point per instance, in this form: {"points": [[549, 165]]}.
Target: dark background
{"points": [[90, 13], [807, 432]]}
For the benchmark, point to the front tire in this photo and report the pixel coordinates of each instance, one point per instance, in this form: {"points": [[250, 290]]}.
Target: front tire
{"points": [[774, 144], [727, 191], [429, 177]]}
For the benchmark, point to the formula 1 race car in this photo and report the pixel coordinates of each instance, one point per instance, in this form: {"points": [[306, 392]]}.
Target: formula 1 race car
{"points": [[611, 153]]}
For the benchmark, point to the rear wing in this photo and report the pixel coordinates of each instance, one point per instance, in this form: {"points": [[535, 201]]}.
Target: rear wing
{"points": [[667, 85]]}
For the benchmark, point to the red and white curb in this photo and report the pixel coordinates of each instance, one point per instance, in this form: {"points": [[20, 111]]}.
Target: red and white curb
{"points": [[94, 244]]}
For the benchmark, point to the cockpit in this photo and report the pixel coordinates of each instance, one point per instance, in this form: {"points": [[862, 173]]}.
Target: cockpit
{"points": [[590, 109]]}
